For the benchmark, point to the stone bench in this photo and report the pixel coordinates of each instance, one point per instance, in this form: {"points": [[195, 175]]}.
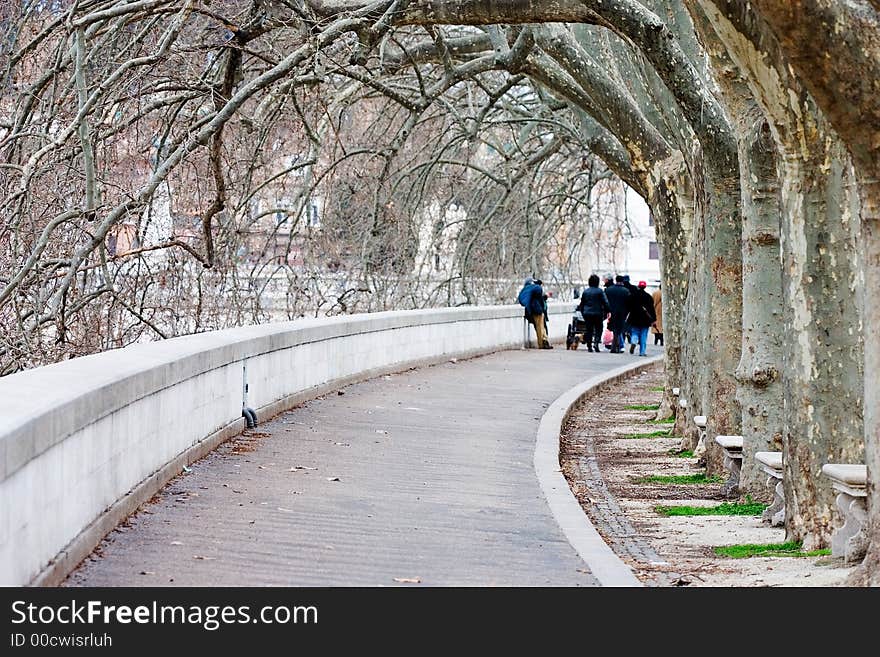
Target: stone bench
{"points": [[850, 480], [733, 454], [700, 449], [771, 463], [675, 391]]}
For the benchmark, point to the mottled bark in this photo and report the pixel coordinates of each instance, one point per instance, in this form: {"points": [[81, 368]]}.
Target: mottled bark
{"points": [[759, 372], [869, 572], [713, 341], [839, 64], [822, 355], [694, 329], [604, 100], [722, 280], [468, 12], [823, 361], [759, 389], [672, 241]]}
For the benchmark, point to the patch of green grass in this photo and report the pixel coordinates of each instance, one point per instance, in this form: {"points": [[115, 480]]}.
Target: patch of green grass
{"points": [[682, 453], [669, 420], [643, 407], [657, 389], [660, 433], [790, 549], [699, 478], [724, 509]]}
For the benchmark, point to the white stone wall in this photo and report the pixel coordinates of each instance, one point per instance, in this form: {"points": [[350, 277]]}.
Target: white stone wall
{"points": [[77, 436]]}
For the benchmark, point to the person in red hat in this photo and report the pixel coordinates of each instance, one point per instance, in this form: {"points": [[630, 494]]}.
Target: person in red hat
{"points": [[641, 316]]}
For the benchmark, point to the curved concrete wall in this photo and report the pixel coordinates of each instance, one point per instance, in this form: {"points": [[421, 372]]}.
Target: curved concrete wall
{"points": [[85, 441]]}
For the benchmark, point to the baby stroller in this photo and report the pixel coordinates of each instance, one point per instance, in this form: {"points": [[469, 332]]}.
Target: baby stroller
{"points": [[577, 331]]}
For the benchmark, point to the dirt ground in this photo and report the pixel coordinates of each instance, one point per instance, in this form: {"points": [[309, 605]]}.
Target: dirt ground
{"points": [[602, 467]]}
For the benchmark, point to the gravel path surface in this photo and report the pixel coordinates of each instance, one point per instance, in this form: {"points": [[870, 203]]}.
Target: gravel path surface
{"points": [[602, 466]]}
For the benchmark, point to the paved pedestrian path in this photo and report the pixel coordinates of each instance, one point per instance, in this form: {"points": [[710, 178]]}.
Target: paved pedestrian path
{"points": [[425, 475]]}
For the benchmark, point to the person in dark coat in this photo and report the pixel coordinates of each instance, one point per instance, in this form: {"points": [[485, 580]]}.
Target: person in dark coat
{"points": [[594, 307], [627, 328], [641, 316], [531, 297], [618, 300]]}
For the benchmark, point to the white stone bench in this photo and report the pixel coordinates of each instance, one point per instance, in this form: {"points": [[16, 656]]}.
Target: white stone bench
{"points": [[675, 391], [850, 481], [771, 463], [733, 454], [700, 449]]}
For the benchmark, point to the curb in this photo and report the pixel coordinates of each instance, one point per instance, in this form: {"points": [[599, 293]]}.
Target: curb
{"points": [[605, 565]]}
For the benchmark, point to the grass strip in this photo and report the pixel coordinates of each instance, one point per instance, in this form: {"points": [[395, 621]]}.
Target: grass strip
{"points": [[682, 453], [669, 420], [723, 509], [660, 433], [657, 389], [699, 478], [643, 407], [790, 549]]}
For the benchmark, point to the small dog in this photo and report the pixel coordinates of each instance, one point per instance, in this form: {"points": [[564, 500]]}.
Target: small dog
{"points": [[572, 342]]}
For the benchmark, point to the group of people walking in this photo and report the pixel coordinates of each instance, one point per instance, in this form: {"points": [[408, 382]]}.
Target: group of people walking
{"points": [[630, 312], [629, 309]]}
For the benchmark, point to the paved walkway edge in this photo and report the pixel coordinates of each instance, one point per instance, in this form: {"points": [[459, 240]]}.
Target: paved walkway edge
{"points": [[82, 545], [607, 567]]}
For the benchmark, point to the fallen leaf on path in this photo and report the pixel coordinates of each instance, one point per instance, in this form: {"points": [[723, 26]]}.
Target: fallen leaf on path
{"points": [[332, 478], [408, 580], [176, 543], [203, 558]]}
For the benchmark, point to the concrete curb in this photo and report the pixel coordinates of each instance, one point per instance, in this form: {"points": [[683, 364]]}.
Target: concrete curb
{"points": [[605, 565]]}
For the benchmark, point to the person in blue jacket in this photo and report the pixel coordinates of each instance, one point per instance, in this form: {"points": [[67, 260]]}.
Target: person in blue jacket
{"points": [[531, 297]]}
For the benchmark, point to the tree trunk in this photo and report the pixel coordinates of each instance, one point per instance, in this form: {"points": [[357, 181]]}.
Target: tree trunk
{"points": [[823, 386], [673, 244], [693, 333], [869, 572], [822, 360], [724, 289], [759, 375]]}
